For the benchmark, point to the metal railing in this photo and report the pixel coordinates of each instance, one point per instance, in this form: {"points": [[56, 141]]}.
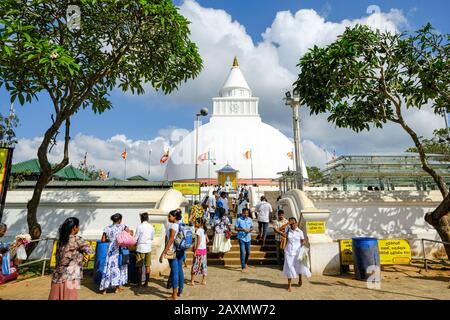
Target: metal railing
{"points": [[42, 259], [424, 253]]}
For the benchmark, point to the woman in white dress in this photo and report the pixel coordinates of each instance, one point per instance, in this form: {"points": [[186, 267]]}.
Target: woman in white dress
{"points": [[293, 267], [221, 243]]}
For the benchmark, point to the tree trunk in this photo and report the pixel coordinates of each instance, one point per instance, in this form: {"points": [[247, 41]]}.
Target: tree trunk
{"points": [[440, 220], [47, 171], [440, 217]]}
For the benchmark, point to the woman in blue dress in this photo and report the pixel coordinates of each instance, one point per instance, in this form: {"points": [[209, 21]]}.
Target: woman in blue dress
{"points": [[113, 275]]}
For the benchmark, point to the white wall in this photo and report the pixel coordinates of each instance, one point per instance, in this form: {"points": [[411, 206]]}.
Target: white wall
{"points": [[382, 214]]}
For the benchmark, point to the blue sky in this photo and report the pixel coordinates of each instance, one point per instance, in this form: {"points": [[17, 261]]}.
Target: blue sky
{"points": [[142, 117], [236, 27]]}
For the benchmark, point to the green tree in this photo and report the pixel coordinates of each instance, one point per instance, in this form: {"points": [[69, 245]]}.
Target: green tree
{"points": [[314, 174], [368, 78], [120, 43], [90, 171], [439, 144], [7, 133]]}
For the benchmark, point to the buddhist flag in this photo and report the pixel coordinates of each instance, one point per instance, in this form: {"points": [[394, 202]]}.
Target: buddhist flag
{"points": [[204, 156], [290, 154], [124, 154], [165, 157], [248, 154], [102, 175], [333, 157]]}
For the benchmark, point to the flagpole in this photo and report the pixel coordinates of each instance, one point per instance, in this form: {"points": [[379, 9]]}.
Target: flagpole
{"points": [[293, 159], [149, 164]]}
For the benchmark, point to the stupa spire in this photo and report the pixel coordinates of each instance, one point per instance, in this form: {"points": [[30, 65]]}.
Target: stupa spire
{"points": [[235, 62]]}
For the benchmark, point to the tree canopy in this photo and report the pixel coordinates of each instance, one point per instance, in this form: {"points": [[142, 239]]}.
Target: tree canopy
{"points": [[367, 78], [121, 44]]}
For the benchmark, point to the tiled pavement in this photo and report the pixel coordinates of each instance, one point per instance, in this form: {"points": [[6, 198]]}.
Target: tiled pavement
{"points": [[263, 282]]}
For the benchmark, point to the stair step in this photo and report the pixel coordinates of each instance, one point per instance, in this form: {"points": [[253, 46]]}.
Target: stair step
{"points": [[235, 247], [237, 262], [236, 254]]}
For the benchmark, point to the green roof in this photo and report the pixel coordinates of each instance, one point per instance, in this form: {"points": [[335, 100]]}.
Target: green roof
{"points": [[32, 167], [139, 178], [71, 173], [27, 166]]}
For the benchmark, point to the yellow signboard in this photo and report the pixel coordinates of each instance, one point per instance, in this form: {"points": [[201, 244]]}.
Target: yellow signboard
{"points": [[158, 229], [87, 258], [4, 168], [345, 248], [392, 251], [315, 227], [187, 188]]}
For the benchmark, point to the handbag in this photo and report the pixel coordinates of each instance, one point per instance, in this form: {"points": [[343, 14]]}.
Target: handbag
{"points": [[124, 256], [169, 255], [124, 239], [228, 234]]}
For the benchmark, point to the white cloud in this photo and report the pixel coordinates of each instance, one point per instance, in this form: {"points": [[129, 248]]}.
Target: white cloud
{"points": [[106, 154]]}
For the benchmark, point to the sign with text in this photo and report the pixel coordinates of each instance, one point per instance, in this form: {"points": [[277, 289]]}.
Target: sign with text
{"points": [[315, 227], [392, 251], [86, 259], [187, 188], [5, 169]]}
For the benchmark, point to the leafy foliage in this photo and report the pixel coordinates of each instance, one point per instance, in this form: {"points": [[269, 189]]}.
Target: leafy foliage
{"points": [[123, 43], [314, 174], [439, 144], [7, 133], [364, 77]]}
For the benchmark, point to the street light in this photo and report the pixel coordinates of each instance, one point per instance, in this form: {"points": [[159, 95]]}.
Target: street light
{"points": [[203, 112], [293, 101]]}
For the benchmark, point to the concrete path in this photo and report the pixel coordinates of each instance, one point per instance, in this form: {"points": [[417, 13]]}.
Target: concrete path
{"points": [[262, 282]]}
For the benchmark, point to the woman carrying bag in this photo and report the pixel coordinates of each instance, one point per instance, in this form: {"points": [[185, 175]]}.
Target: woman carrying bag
{"points": [[115, 272]]}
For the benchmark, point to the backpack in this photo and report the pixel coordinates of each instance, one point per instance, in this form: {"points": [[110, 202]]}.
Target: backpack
{"points": [[183, 239]]}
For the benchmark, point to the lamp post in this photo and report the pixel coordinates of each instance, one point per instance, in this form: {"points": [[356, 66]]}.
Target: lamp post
{"points": [[293, 101], [203, 112]]}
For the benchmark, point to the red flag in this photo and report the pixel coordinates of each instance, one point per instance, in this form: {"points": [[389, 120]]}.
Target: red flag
{"points": [[290, 154], [248, 154], [165, 157], [124, 155]]}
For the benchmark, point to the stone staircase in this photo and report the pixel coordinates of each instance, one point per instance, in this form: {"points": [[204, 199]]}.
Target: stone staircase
{"points": [[259, 255]]}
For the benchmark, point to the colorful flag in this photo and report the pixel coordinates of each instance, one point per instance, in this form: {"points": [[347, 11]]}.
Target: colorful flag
{"points": [[85, 159], [204, 156], [290, 154], [165, 157], [248, 154], [124, 155], [102, 175]]}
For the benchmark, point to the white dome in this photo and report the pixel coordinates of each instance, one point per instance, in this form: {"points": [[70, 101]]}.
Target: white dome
{"points": [[227, 140], [235, 83]]}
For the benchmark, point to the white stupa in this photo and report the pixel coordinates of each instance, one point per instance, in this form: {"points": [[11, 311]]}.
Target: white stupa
{"points": [[235, 127]]}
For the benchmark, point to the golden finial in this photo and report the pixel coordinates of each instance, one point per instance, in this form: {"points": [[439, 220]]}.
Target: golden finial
{"points": [[235, 62]]}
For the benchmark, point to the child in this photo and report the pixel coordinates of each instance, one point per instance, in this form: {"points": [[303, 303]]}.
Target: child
{"points": [[199, 264]]}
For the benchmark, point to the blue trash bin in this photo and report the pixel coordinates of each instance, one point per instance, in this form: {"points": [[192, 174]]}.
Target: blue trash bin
{"points": [[100, 259], [365, 254]]}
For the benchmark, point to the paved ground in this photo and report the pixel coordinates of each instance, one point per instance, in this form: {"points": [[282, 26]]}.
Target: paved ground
{"points": [[262, 282]]}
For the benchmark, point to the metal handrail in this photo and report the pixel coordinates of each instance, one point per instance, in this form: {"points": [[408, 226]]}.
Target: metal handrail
{"points": [[44, 259], [425, 259]]}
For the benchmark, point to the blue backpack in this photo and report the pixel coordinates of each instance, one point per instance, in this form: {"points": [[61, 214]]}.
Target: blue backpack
{"points": [[183, 239]]}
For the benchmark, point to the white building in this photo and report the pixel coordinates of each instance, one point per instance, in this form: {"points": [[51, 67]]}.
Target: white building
{"points": [[234, 128]]}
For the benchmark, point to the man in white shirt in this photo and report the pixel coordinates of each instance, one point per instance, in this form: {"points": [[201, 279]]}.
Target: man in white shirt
{"points": [[144, 236], [263, 213]]}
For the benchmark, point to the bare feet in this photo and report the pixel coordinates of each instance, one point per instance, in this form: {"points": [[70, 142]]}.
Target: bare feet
{"points": [[104, 292], [191, 283], [203, 283], [172, 297], [300, 282], [118, 290], [289, 289]]}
